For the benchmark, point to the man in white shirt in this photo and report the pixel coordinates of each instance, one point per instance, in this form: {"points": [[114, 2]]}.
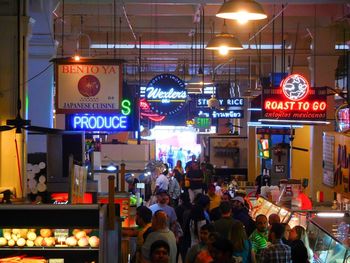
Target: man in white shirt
{"points": [[162, 204], [162, 183]]}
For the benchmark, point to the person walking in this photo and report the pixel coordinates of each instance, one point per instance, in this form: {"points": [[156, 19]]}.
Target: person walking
{"points": [[160, 232]]}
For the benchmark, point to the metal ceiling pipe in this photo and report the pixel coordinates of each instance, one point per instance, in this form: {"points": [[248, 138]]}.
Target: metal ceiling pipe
{"points": [[129, 23]]}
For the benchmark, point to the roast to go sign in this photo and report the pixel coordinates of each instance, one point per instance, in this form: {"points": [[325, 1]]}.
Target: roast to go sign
{"points": [[295, 100], [88, 88]]}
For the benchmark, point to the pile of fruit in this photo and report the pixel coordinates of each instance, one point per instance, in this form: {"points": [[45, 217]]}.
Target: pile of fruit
{"points": [[23, 259], [45, 238]]}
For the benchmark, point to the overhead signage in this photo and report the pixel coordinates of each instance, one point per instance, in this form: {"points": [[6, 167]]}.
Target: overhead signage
{"points": [[294, 100], [93, 87], [165, 94], [229, 114], [277, 131], [222, 114], [231, 102], [101, 122], [202, 123]]}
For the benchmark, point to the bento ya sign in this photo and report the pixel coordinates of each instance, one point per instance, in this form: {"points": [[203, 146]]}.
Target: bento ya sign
{"points": [[166, 94]]}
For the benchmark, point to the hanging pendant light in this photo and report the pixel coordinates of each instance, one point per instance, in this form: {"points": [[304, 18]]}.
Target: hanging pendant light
{"points": [[198, 81], [224, 42], [242, 11]]}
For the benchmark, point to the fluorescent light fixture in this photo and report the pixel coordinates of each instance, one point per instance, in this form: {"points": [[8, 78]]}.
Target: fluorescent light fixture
{"points": [[254, 109], [294, 121], [111, 168], [342, 47], [178, 46], [209, 90], [330, 214], [259, 124]]}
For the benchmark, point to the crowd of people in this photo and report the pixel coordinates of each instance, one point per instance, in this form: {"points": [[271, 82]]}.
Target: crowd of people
{"points": [[193, 220]]}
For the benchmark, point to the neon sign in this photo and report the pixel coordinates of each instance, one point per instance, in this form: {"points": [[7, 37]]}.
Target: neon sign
{"points": [[105, 122], [231, 102], [295, 87], [294, 100], [231, 114], [295, 105], [165, 94], [99, 123]]}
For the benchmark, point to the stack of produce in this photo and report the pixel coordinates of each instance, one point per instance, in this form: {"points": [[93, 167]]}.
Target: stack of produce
{"points": [[29, 238]]}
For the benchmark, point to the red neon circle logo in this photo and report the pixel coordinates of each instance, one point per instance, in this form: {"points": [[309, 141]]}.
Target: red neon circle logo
{"points": [[295, 87]]}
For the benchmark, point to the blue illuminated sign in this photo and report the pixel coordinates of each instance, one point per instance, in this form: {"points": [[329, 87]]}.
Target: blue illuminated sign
{"points": [[165, 94], [222, 114], [85, 122], [230, 102]]}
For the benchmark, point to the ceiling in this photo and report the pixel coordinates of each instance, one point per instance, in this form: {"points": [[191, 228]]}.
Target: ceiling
{"points": [[161, 22]]}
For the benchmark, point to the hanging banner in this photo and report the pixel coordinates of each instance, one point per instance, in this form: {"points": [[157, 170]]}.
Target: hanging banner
{"points": [[165, 94], [88, 87], [294, 100]]}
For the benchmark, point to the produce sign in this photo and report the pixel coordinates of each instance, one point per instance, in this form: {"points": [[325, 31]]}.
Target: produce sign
{"points": [[231, 102], [165, 94], [105, 122], [89, 87], [294, 100]]}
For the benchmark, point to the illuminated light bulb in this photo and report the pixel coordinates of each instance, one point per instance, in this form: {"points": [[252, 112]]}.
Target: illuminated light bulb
{"points": [[242, 17], [223, 50], [77, 58]]}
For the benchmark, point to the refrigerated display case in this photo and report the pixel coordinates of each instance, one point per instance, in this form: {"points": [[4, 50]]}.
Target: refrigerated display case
{"points": [[265, 207], [54, 232], [328, 237]]}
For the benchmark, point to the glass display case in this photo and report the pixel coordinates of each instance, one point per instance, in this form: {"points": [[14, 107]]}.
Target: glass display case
{"points": [[263, 206], [69, 232], [328, 237]]}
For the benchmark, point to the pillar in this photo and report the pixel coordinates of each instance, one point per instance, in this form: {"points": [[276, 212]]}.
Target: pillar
{"points": [[322, 64], [12, 166], [42, 48]]}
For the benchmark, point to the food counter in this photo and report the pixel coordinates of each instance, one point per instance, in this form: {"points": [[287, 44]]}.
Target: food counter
{"points": [[69, 233]]}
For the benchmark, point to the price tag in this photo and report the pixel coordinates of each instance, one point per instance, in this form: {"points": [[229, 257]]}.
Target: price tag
{"points": [[61, 236]]}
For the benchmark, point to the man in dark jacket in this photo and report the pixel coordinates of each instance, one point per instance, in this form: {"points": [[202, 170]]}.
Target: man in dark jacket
{"points": [[241, 213]]}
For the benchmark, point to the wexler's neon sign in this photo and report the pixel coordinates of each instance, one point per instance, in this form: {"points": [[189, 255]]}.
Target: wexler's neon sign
{"points": [[158, 95], [295, 100], [165, 94], [112, 122]]}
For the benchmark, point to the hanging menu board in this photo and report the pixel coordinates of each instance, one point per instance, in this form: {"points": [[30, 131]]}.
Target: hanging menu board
{"points": [[328, 160]]}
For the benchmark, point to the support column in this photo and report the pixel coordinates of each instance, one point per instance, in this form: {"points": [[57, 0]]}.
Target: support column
{"points": [[322, 64], [12, 166], [42, 48]]}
